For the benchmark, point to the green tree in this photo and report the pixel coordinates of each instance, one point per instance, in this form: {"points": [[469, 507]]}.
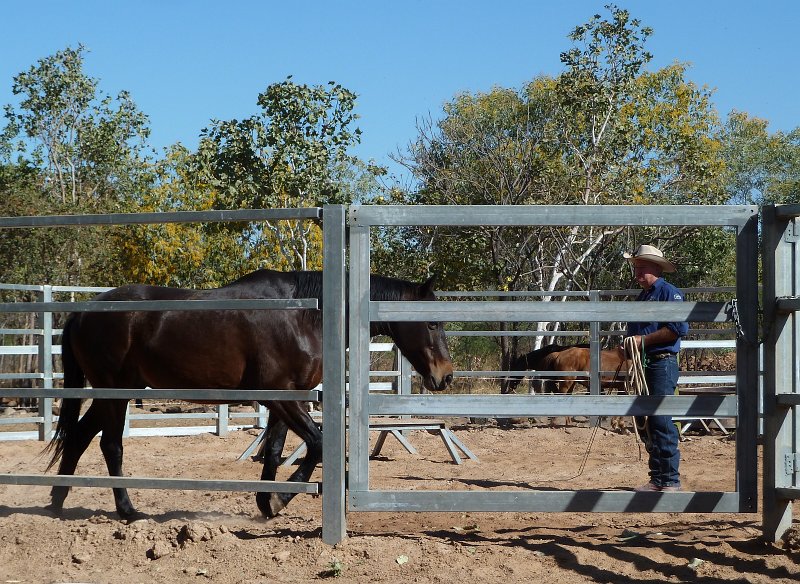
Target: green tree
{"points": [[293, 153], [761, 167], [179, 254], [67, 149], [604, 131], [86, 145]]}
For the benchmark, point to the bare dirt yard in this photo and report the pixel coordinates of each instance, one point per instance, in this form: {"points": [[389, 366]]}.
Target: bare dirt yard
{"points": [[195, 536]]}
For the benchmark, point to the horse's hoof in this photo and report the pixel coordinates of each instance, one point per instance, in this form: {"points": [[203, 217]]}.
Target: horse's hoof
{"points": [[131, 516], [270, 505], [56, 510]]}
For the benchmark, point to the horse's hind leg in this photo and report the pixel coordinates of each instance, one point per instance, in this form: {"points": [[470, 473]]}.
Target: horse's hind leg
{"points": [[111, 446], [87, 428], [293, 415]]}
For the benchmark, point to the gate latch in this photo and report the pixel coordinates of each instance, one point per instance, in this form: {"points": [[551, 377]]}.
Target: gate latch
{"points": [[791, 463], [792, 234]]}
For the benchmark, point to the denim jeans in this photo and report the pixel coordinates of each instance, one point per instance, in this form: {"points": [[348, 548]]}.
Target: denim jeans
{"points": [[662, 378]]}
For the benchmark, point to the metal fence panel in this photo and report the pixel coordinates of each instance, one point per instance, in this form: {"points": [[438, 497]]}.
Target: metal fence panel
{"points": [[47, 307], [743, 218]]}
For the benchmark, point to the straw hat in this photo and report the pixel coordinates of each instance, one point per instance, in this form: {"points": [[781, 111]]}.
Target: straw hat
{"points": [[650, 254]]}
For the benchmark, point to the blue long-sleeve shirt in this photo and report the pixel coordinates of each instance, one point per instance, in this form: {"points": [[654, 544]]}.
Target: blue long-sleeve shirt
{"points": [[660, 291]]}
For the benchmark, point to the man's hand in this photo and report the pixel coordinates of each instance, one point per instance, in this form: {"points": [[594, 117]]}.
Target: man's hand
{"points": [[637, 340]]}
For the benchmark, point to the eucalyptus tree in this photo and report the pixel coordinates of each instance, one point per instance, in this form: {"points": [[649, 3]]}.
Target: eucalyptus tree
{"points": [[86, 152], [293, 153], [761, 167], [193, 255], [87, 145], [606, 130]]}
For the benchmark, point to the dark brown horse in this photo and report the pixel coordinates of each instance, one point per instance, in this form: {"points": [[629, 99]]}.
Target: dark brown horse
{"points": [[228, 349]]}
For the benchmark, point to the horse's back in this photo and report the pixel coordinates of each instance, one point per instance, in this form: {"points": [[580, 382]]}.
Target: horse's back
{"points": [[280, 349], [570, 359], [579, 358]]}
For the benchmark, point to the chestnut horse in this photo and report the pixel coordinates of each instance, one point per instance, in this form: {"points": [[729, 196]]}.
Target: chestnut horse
{"points": [[578, 359], [225, 349], [531, 361], [612, 367]]}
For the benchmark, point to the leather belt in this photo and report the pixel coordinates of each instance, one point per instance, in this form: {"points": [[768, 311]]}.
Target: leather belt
{"points": [[659, 356]]}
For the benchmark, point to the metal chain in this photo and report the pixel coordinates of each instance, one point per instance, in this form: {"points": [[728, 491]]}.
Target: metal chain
{"points": [[733, 314]]}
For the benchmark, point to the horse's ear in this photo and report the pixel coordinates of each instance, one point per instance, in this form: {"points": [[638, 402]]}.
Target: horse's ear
{"points": [[427, 287]]}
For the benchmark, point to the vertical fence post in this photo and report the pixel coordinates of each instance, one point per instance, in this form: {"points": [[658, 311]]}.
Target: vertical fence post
{"points": [[402, 384], [594, 355], [45, 350], [405, 374], [359, 336], [779, 369], [222, 420], [334, 286], [747, 372], [126, 426], [261, 418]]}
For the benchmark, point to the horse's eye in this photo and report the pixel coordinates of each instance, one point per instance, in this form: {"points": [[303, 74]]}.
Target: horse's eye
{"points": [[433, 326]]}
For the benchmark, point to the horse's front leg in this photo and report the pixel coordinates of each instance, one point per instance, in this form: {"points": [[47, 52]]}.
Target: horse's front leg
{"points": [[271, 450], [288, 415], [567, 386]]}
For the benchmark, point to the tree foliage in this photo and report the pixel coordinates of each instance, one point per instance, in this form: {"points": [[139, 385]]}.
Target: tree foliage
{"points": [[179, 254], [88, 146], [604, 131], [67, 149], [761, 167], [293, 153]]}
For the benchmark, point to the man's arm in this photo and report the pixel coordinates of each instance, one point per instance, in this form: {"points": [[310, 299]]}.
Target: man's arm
{"points": [[664, 335]]}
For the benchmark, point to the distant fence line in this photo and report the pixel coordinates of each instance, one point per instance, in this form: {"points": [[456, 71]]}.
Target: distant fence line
{"points": [[225, 420]]}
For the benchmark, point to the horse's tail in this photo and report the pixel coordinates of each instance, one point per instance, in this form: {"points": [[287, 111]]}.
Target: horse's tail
{"points": [[70, 407]]}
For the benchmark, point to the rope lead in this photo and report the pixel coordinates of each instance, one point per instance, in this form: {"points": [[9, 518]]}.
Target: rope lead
{"points": [[635, 383]]}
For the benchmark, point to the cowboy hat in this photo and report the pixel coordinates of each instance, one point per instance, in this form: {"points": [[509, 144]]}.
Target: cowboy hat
{"points": [[651, 254]]}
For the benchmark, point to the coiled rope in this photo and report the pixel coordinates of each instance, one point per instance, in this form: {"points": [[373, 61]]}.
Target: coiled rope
{"points": [[636, 384]]}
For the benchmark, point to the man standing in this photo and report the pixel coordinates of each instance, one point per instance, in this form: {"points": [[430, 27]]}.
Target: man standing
{"points": [[659, 343]]}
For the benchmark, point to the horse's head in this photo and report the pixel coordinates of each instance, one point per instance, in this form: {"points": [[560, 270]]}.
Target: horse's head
{"points": [[510, 384], [424, 344]]}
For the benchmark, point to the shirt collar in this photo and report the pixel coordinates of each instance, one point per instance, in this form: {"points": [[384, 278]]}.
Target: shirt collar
{"points": [[657, 284]]}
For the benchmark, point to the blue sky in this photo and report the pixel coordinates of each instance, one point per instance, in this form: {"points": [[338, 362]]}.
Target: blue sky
{"points": [[186, 62]]}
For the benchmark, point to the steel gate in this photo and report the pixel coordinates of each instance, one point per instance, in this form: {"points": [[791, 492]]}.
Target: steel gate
{"points": [[781, 233], [743, 406]]}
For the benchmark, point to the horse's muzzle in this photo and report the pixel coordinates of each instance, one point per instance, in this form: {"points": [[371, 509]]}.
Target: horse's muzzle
{"points": [[431, 383]]}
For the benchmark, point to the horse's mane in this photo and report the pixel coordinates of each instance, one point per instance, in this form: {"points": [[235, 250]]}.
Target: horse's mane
{"points": [[383, 288], [308, 284]]}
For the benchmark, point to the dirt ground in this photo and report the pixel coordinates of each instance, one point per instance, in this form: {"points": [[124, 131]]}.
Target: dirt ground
{"points": [[194, 536]]}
